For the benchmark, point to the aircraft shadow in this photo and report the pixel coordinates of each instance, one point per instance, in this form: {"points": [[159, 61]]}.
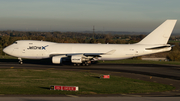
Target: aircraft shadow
{"points": [[40, 62], [28, 61]]}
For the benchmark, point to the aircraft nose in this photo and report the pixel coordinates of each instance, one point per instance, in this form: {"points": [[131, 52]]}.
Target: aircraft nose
{"points": [[7, 50]]}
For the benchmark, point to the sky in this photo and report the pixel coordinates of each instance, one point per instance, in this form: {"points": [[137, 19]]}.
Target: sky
{"points": [[82, 15]]}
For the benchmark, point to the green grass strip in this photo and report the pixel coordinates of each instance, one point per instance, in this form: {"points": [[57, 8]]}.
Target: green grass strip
{"points": [[37, 82]]}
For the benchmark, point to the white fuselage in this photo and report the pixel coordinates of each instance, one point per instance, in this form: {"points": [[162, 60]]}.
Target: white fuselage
{"points": [[42, 49]]}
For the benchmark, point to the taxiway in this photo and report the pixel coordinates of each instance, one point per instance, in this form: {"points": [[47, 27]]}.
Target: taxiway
{"points": [[164, 74]]}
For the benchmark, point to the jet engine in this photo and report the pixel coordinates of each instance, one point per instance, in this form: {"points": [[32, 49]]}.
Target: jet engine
{"points": [[76, 59], [79, 59], [57, 59]]}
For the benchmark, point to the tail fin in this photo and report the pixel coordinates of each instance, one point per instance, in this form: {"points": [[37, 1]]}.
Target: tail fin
{"points": [[161, 34]]}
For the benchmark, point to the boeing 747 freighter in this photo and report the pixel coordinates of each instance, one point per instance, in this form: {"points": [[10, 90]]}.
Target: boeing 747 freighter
{"points": [[83, 54]]}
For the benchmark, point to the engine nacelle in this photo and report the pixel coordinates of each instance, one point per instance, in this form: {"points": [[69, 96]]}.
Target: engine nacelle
{"points": [[76, 59], [79, 58], [57, 59]]}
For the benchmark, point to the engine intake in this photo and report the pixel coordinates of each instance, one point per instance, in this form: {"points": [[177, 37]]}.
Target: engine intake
{"points": [[57, 59]]}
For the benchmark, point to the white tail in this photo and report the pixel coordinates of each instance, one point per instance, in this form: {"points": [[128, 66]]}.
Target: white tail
{"points": [[161, 34]]}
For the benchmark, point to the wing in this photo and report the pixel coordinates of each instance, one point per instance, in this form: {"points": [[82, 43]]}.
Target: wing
{"points": [[84, 54], [78, 58]]}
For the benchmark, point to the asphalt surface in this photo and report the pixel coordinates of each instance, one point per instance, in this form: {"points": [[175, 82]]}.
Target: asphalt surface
{"points": [[89, 99], [164, 74]]}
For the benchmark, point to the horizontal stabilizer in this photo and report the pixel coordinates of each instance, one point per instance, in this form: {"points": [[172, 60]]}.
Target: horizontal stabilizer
{"points": [[159, 47]]}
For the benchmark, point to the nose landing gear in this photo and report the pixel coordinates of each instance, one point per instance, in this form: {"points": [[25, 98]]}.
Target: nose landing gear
{"points": [[20, 61]]}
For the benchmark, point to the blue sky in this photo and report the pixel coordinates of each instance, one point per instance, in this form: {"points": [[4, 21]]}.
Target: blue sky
{"points": [[82, 15]]}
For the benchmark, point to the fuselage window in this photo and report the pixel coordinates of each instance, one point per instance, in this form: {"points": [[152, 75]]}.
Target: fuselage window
{"points": [[30, 43]]}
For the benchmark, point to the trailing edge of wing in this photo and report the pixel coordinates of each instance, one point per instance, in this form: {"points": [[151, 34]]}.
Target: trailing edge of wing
{"points": [[110, 52], [97, 54]]}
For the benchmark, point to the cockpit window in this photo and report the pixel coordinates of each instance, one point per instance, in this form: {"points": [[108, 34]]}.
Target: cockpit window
{"points": [[15, 42]]}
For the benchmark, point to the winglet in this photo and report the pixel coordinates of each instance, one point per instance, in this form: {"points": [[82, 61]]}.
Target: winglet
{"points": [[161, 34]]}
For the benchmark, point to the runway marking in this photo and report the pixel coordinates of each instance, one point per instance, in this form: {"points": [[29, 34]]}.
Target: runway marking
{"points": [[11, 67]]}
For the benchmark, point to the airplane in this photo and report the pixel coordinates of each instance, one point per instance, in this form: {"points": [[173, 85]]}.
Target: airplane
{"points": [[84, 54]]}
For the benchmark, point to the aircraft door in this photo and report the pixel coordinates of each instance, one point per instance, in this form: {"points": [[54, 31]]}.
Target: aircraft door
{"points": [[42, 53], [23, 52], [136, 52], [130, 52]]}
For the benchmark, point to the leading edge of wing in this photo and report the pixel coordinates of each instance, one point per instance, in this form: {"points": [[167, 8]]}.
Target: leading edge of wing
{"points": [[85, 54]]}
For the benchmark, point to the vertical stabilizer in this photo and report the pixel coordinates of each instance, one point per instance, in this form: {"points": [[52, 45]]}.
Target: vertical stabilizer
{"points": [[161, 34]]}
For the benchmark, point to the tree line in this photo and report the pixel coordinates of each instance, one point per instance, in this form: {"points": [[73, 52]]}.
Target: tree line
{"points": [[8, 37]]}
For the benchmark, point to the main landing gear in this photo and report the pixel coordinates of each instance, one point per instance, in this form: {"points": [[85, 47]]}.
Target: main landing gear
{"points": [[87, 63], [20, 61]]}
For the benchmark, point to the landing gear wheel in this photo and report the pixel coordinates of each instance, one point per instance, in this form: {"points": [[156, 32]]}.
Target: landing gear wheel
{"points": [[83, 64], [77, 64], [87, 64], [21, 62]]}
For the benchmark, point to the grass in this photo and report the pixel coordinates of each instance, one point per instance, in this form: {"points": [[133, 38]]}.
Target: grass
{"points": [[37, 82], [136, 61], [7, 57]]}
